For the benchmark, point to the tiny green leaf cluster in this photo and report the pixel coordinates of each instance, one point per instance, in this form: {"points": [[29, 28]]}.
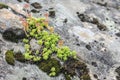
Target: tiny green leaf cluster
{"points": [[64, 53], [52, 73]]}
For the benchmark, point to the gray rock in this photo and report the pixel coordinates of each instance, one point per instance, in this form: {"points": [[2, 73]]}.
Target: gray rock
{"points": [[34, 45], [19, 48]]}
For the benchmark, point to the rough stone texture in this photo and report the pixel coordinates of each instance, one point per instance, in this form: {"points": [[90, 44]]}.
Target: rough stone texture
{"points": [[34, 45], [103, 53]]}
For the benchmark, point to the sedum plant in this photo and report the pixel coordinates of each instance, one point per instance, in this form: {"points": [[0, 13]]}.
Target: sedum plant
{"points": [[36, 58], [53, 72], [25, 40], [64, 53], [28, 56], [50, 43], [48, 39]]}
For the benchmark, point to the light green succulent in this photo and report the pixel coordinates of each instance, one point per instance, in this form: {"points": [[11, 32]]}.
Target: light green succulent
{"points": [[28, 56], [52, 74], [27, 46], [35, 58], [25, 40], [53, 69], [40, 42]]}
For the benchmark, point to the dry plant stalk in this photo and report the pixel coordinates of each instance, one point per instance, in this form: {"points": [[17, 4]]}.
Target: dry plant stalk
{"points": [[60, 43], [25, 24], [51, 29], [23, 20], [46, 21]]}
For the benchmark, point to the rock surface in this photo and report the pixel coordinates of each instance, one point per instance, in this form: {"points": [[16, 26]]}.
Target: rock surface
{"points": [[34, 45], [91, 29]]}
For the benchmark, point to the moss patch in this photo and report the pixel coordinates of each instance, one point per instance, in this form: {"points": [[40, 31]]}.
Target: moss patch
{"points": [[46, 65], [67, 77], [19, 57], [85, 77], [75, 67], [9, 57], [3, 6]]}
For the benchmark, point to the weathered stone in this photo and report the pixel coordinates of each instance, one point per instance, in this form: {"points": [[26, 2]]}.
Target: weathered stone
{"points": [[34, 45]]}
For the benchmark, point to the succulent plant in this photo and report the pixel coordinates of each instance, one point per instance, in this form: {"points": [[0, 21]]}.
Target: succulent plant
{"points": [[25, 40], [52, 74], [52, 69], [49, 42]]}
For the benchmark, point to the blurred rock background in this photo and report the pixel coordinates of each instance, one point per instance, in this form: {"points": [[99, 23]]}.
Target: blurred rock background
{"points": [[90, 27]]}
